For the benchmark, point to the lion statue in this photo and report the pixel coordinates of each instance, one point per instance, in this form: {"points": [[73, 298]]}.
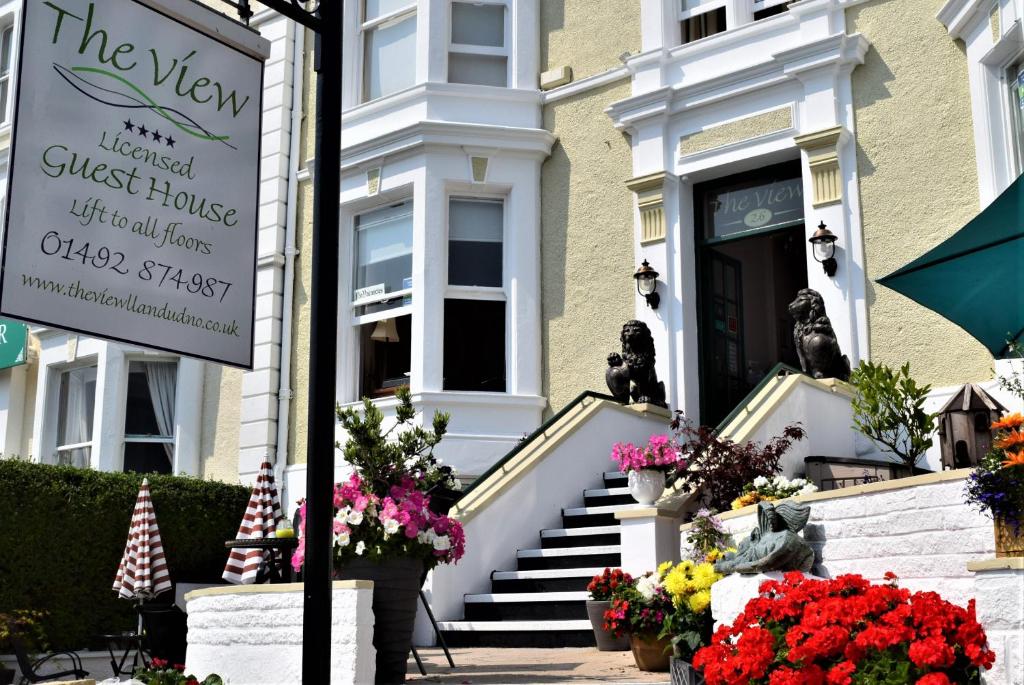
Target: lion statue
{"points": [[816, 344], [631, 375]]}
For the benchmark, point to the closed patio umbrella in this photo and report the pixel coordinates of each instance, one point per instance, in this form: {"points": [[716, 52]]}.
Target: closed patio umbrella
{"points": [[259, 522], [976, 277], [142, 573]]}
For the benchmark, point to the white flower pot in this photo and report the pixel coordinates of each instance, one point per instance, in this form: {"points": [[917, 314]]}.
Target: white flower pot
{"points": [[646, 485]]}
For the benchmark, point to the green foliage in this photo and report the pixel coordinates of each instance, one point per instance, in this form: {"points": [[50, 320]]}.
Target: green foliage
{"points": [[382, 457], [64, 531], [27, 625], [889, 409], [163, 673], [1014, 382]]}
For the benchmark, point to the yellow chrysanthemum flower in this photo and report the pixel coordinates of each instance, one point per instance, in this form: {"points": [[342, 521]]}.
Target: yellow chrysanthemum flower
{"points": [[663, 568], [704, 576], [699, 601]]}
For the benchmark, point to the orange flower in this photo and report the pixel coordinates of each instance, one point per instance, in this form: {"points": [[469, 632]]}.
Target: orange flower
{"points": [[1010, 421], [1010, 440], [1014, 459]]}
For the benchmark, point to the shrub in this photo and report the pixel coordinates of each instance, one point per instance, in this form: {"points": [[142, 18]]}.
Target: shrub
{"points": [[64, 531], [718, 468], [846, 631], [772, 489], [889, 409]]}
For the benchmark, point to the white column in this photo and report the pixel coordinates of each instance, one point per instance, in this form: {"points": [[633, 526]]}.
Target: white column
{"points": [[522, 285], [188, 426], [429, 280], [659, 24], [649, 537], [108, 419]]}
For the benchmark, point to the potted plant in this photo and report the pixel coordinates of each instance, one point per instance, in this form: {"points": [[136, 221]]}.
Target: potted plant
{"points": [[689, 624], [646, 467], [996, 485], [28, 626], [765, 489], [846, 631], [384, 528], [707, 537], [160, 672], [718, 468], [601, 588], [640, 610]]}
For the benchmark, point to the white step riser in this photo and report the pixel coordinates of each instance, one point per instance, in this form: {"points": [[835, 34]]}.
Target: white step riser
{"points": [[513, 626], [579, 532], [567, 551], [606, 492], [547, 573], [515, 597], [607, 509]]}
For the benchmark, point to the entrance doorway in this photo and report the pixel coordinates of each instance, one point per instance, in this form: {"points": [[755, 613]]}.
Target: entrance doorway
{"points": [[751, 261]]}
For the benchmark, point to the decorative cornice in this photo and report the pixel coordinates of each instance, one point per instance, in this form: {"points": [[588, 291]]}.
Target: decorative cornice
{"points": [[584, 84], [828, 137], [650, 199], [959, 15], [822, 148]]}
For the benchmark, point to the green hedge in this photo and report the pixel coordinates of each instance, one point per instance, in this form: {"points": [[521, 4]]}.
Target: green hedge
{"points": [[63, 531]]}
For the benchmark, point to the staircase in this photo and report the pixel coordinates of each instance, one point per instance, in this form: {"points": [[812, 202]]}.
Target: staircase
{"points": [[543, 602]]}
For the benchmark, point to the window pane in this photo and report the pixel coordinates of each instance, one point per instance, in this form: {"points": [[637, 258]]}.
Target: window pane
{"points": [[5, 51], [146, 457], [475, 242], [390, 59], [77, 400], [384, 249], [385, 355], [474, 345], [703, 25], [481, 70], [1015, 77], [378, 8], [478, 24], [151, 394]]}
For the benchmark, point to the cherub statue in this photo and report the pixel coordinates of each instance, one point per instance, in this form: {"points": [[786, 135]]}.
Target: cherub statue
{"points": [[774, 545]]}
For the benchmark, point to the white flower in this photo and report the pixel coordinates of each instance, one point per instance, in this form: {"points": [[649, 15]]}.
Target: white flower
{"points": [[341, 539], [355, 517], [647, 586], [360, 547], [798, 482], [760, 482], [391, 526], [441, 542], [456, 485], [808, 489]]}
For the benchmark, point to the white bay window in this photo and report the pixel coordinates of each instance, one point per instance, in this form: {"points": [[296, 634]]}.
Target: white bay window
{"points": [[149, 416], [76, 408]]}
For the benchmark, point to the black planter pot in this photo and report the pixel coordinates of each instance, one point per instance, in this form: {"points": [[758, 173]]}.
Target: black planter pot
{"points": [[6, 676], [685, 674], [442, 500], [606, 641], [396, 587]]}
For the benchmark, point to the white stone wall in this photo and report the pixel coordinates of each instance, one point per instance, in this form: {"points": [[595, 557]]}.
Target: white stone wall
{"points": [[252, 635], [925, 533], [1000, 595]]}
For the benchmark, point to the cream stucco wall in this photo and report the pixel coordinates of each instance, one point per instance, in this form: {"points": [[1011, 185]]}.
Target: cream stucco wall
{"points": [[299, 407], [222, 402], [587, 35], [586, 243], [918, 179]]}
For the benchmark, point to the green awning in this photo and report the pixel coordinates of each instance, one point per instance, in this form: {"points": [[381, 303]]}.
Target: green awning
{"points": [[975, 278]]}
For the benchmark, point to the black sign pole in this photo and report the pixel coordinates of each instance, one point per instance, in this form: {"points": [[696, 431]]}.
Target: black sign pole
{"points": [[316, 619]]}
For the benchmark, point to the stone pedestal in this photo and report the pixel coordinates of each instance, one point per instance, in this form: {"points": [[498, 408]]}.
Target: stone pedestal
{"points": [[252, 634], [731, 594], [999, 591], [649, 536]]}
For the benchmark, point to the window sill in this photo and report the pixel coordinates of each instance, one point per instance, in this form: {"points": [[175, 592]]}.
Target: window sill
{"points": [[457, 398]]}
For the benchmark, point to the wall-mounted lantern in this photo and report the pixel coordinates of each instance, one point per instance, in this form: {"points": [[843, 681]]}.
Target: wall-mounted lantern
{"points": [[824, 248], [647, 284]]}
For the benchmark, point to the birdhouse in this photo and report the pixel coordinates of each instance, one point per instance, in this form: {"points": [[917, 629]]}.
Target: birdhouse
{"points": [[964, 426]]}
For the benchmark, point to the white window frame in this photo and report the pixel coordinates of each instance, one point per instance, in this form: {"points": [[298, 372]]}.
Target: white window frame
{"points": [[365, 26], [697, 10], [484, 50], [759, 5], [477, 292], [58, 377], [358, 320], [160, 439], [7, 80]]}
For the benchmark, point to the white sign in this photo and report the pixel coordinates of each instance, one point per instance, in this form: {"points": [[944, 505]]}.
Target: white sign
{"points": [[132, 199], [370, 291]]}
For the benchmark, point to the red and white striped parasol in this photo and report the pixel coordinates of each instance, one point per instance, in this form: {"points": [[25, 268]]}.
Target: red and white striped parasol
{"points": [[259, 522], [142, 573]]}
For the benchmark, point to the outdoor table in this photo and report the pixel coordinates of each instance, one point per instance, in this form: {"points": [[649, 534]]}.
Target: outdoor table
{"points": [[131, 641], [281, 550]]}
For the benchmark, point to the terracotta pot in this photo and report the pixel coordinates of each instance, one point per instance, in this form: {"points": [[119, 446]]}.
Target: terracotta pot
{"points": [[606, 640], [685, 674], [1009, 542], [396, 588], [646, 485], [650, 653]]}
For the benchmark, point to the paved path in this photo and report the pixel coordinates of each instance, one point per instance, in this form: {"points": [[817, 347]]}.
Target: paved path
{"points": [[491, 666]]}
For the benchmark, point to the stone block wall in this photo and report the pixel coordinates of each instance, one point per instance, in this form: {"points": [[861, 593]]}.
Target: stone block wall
{"points": [[252, 635], [919, 528], [999, 585]]}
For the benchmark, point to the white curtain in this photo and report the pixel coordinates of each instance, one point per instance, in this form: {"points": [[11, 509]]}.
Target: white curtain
{"points": [[77, 427], [161, 377]]}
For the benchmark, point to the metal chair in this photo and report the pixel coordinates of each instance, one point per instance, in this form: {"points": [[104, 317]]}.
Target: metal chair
{"points": [[29, 668]]}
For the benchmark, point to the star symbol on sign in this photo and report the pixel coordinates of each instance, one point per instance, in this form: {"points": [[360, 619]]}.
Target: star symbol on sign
{"points": [[143, 131], [170, 141], [156, 136], [129, 126]]}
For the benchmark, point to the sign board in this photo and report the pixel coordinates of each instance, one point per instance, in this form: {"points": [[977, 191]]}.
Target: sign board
{"points": [[133, 191], [758, 201], [13, 343]]}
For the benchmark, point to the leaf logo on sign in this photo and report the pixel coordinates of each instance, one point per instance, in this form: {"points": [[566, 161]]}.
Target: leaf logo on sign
{"points": [[98, 93]]}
